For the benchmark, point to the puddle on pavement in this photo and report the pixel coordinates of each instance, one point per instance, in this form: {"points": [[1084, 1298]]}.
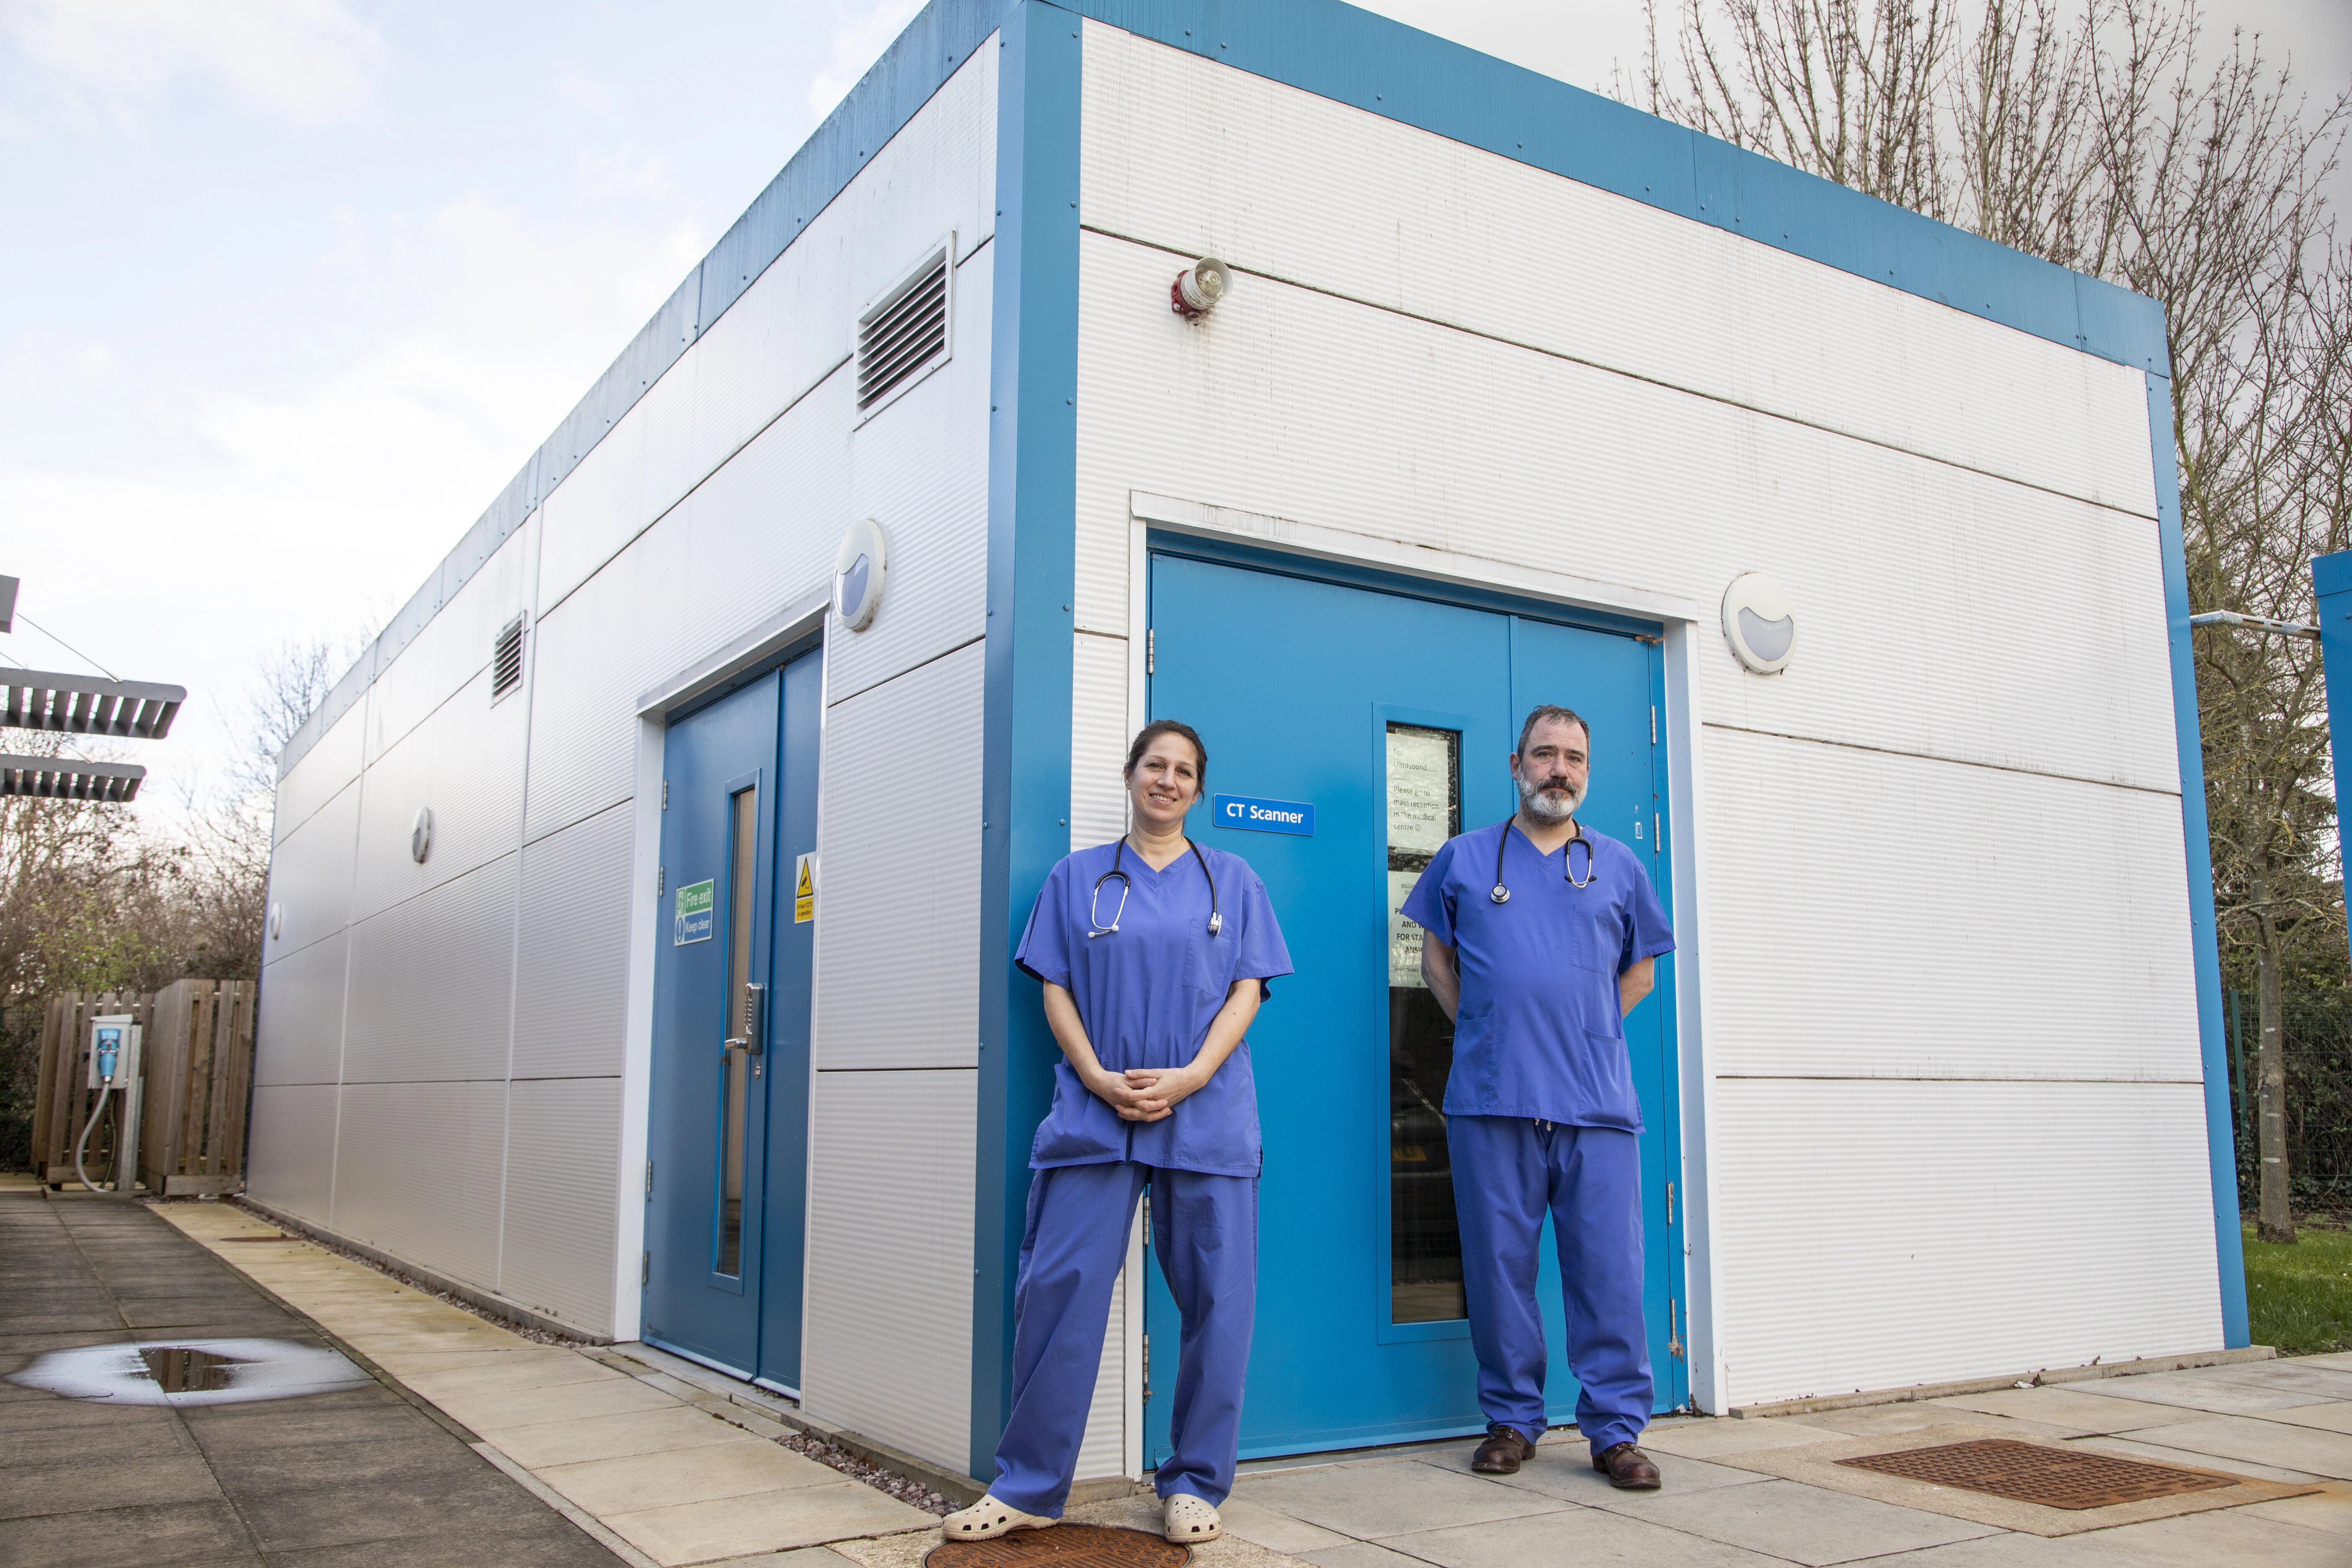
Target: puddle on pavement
{"points": [[183, 1369]]}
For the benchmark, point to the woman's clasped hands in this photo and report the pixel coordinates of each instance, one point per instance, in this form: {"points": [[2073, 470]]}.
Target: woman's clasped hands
{"points": [[1144, 1094]]}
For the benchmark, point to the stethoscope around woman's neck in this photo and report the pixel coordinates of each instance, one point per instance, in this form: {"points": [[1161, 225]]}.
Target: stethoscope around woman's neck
{"points": [[1502, 894], [1126, 886]]}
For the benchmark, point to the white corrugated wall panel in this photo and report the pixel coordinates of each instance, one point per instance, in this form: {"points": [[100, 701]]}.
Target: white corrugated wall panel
{"points": [[787, 332], [453, 648], [572, 952], [626, 629], [1884, 916], [921, 466], [298, 1038], [563, 1176], [416, 1173], [897, 932], [311, 875], [432, 984], [463, 764], [1099, 732], [1203, 159], [888, 1343], [1938, 610], [331, 765], [764, 528], [1103, 1450], [291, 1162], [1873, 1235]]}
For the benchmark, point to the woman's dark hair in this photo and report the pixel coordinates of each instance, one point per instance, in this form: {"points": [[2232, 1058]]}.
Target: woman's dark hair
{"points": [[1152, 731]]}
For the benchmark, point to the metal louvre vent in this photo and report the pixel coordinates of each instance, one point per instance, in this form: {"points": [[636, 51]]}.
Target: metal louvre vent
{"points": [[905, 332], [505, 660]]}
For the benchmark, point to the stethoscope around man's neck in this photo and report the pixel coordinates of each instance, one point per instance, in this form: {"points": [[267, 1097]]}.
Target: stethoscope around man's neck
{"points": [[1126, 886], [1502, 894]]}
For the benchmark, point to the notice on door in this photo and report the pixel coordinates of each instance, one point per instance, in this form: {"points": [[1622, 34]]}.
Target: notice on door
{"points": [[1424, 810], [805, 890], [696, 903]]}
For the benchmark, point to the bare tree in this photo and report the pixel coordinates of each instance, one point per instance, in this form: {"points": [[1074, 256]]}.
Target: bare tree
{"points": [[2097, 135]]}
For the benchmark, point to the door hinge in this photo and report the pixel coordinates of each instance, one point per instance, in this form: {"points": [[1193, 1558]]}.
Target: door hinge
{"points": [[1657, 833], [1150, 650], [645, 1269], [1670, 1194], [1654, 740], [1146, 1217], [1146, 1366], [1653, 735], [1673, 1329], [649, 1178], [661, 881]]}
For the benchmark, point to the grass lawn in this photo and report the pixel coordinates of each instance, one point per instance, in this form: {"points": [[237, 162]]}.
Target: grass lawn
{"points": [[2300, 1297]]}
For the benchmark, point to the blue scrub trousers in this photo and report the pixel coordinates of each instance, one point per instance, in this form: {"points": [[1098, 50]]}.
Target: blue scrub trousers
{"points": [[1204, 1228], [1508, 1171]]}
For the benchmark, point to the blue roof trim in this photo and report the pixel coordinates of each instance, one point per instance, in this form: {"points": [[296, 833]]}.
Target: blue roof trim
{"points": [[1385, 68], [915, 65]]}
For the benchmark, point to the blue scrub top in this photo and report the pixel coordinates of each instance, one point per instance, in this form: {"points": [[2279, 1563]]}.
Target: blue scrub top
{"points": [[1147, 993], [1539, 1033]]}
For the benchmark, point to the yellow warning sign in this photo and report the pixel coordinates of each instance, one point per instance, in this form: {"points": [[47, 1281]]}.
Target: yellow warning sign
{"points": [[805, 890]]}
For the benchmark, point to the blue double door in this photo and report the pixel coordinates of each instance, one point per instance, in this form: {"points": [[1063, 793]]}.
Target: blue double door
{"points": [[726, 1185], [1393, 716]]}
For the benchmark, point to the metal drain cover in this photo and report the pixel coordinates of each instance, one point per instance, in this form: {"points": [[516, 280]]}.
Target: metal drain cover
{"points": [[1064, 1546], [2035, 1472]]}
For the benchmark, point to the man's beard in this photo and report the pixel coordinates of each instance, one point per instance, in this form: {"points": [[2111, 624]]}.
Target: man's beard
{"points": [[1548, 800]]}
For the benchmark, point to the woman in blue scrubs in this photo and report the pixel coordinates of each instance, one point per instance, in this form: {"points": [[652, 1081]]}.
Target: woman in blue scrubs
{"points": [[1155, 952]]}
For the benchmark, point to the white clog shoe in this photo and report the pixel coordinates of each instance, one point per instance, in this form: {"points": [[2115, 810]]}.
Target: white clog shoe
{"points": [[1187, 1520], [988, 1517]]}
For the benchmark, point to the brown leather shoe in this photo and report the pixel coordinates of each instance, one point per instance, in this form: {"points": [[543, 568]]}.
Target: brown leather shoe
{"points": [[1502, 1452], [1627, 1467]]}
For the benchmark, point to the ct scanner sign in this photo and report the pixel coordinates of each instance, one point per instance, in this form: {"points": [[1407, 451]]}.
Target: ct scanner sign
{"points": [[1263, 815]]}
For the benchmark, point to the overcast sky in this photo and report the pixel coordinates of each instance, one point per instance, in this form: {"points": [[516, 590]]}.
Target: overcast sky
{"points": [[295, 286]]}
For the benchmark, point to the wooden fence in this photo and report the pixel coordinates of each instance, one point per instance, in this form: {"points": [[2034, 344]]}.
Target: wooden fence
{"points": [[196, 1066]]}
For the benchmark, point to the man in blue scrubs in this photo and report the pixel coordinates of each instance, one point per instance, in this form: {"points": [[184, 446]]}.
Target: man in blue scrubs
{"points": [[1542, 936]]}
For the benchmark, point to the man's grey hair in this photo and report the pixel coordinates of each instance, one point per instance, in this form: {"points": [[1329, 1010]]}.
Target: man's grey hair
{"points": [[1550, 711]]}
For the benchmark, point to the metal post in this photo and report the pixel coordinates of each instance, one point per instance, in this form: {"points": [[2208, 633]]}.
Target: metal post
{"points": [[2331, 582]]}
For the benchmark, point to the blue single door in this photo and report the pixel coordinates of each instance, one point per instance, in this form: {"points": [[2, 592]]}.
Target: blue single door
{"points": [[725, 1194], [1394, 717]]}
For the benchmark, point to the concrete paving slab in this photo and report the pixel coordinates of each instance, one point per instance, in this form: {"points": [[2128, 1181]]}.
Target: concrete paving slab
{"points": [[1565, 1471], [618, 1437], [2130, 1448], [1400, 1498], [1722, 1439], [2336, 1417], [1877, 1420], [505, 1370], [103, 1477], [802, 1557], [1576, 1535], [1361, 1554], [2289, 1376], [2328, 1509], [2190, 1391], [1801, 1524], [606, 1487], [151, 1536], [1277, 1531], [370, 1508], [743, 1526], [2064, 1410], [493, 1409], [2204, 1539], [2303, 1448]]}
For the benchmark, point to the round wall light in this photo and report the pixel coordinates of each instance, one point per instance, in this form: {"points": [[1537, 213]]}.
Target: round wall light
{"points": [[1199, 286], [420, 835], [1759, 622], [858, 574], [276, 920]]}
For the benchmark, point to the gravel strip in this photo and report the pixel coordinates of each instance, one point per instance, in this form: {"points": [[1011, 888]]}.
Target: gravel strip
{"points": [[913, 1493]]}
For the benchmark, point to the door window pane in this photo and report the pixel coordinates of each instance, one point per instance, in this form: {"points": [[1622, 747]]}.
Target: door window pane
{"points": [[743, 882], [1424, 809]]}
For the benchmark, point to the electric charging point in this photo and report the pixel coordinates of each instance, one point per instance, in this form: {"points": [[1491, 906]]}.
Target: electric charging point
{"points": [[114, 1050]]}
